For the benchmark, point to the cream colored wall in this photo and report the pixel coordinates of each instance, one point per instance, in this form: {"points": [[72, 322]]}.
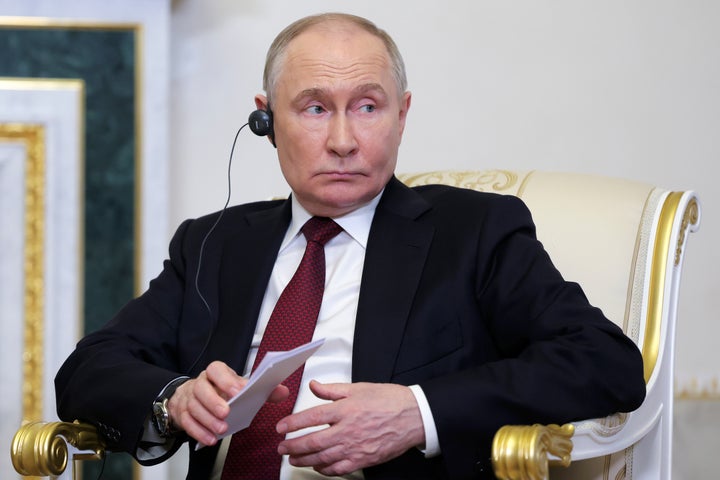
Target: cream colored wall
{"points": [[629, 89]]}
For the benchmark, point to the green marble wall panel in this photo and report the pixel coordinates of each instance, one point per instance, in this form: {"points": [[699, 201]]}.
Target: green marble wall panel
{"points": [[105, 58]]}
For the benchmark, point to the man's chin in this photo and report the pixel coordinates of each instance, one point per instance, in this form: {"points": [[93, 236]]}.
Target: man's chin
{"points": [[336, 203]]}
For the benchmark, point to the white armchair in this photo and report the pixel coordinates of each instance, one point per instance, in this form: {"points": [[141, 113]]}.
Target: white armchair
{"points": [[624, 243]]}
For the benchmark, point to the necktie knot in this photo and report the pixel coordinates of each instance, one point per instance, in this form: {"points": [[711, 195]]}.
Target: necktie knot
{"points": [[320, 230]]}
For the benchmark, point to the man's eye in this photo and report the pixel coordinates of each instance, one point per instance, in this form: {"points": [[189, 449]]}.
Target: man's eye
{"points": [[315, 110], [368, 108]]}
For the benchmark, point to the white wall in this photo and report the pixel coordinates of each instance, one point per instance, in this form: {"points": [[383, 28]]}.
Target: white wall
{"points": [[620, 88]]}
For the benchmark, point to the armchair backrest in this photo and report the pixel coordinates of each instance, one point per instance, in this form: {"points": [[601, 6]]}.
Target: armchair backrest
{"points": [[623, 241]]}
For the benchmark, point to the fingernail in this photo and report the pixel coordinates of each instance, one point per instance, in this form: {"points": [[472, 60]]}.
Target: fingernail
{"points": [[281, 427], [282, 450]]}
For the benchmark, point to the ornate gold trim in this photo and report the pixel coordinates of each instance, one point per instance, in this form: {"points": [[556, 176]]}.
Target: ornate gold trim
{"points": [[524, 184], [480, 180], [40, 448], [520, 452], [139, 187], [690, 217], [22, 83], [33, 138], [656, 289], [49, 22]]}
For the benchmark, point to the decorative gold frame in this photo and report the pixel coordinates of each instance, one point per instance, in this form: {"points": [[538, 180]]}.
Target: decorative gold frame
{"points": [[33, 139]]}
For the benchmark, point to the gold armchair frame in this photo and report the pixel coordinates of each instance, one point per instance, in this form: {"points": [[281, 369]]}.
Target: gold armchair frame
{"points": [[647, 307], [43, 448]]}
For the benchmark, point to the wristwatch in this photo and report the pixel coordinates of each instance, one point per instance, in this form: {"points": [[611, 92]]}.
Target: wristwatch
{"points": [[160, 413]]}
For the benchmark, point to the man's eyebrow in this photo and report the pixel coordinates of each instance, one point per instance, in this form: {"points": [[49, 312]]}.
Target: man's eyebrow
{"points": [[310, 93], [320, 93], [370, 87]]}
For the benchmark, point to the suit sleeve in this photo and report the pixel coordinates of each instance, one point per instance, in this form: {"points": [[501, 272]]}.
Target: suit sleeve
{"points": [[115, 373], [557, 358]]}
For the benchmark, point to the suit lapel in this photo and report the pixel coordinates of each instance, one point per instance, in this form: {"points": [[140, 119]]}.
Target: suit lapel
{"points": [[396, 252], [246, 264]]}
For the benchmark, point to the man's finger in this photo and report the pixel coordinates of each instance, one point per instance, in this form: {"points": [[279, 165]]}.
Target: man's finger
{"points": [[330, 391]]}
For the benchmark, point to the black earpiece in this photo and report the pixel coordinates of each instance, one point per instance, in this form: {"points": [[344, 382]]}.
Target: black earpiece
{"points": [[261, 123]]}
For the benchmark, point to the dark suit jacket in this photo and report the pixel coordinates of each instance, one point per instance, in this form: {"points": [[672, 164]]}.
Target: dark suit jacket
{"points": [[457, 296]]}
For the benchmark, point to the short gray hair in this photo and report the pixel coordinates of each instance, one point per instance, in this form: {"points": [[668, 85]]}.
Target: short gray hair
{"points": [[276, 52]]}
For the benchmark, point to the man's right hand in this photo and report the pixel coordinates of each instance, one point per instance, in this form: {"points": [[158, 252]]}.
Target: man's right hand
{"points": [[200, 405]]}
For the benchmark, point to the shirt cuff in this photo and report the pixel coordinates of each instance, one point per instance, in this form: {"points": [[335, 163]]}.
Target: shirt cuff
{"points": [[432, 443]]}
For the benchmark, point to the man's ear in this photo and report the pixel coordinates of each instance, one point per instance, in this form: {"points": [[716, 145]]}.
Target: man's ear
{"points": [[405, 102], [261, 103]]}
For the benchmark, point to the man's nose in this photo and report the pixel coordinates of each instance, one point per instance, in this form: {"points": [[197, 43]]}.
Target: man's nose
{"points": [[341, 138]]}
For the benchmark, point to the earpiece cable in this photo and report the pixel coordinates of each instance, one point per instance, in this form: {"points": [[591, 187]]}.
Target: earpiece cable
{"points": [[202, 248]]}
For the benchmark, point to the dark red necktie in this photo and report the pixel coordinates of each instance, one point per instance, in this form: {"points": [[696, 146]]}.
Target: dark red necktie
{"points": [[253, 452]]}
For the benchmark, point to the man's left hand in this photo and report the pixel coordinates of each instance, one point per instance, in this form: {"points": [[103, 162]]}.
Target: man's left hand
{"points": [[369, 423]]}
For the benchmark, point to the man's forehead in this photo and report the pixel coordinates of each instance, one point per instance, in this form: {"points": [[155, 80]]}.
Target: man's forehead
{"points": [[336, 40], [360, 57]]}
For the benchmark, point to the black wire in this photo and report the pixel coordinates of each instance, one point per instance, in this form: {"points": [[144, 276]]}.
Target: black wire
{"points": [[202, 248], [102, 466]]}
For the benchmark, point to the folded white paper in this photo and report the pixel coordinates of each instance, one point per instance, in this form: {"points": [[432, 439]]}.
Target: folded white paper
{"points": [[274, 368]]}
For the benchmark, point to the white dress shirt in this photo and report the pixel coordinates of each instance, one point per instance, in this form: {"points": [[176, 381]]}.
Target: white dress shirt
{"points": [[332, 363]]}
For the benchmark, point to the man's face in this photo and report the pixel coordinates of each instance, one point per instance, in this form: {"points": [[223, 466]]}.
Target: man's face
{"points": [[338, 118]]}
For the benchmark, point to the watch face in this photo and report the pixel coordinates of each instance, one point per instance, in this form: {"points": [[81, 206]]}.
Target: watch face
{"points": [[161, 417]]}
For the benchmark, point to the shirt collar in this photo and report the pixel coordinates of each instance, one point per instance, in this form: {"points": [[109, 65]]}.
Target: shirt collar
{"points": [[356, 223]]}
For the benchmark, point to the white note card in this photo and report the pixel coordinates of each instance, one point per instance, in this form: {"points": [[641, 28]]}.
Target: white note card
{"points": [[274, 368]]}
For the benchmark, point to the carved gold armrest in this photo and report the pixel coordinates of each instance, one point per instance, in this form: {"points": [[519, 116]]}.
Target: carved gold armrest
{"points": [[520, 452], [40, 448]]}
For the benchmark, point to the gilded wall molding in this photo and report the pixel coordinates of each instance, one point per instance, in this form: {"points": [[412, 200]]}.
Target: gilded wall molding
{"points": [[32, 137], [76, 24]]}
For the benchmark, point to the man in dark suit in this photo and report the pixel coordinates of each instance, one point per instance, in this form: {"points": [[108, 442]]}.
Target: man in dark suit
{"points": [[444, 318]]}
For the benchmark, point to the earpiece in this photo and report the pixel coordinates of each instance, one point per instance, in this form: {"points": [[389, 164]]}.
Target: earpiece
{"points": [[261, 123]]}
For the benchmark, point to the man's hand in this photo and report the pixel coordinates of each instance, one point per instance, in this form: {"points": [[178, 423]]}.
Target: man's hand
{"points": [[369, 424], [200, 406]]}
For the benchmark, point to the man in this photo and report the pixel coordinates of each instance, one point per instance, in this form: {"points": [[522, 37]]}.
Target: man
{"points": [[443, 316]]}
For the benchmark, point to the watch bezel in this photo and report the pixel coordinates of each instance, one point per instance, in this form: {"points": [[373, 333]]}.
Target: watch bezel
{"points": [[161, 417]]}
